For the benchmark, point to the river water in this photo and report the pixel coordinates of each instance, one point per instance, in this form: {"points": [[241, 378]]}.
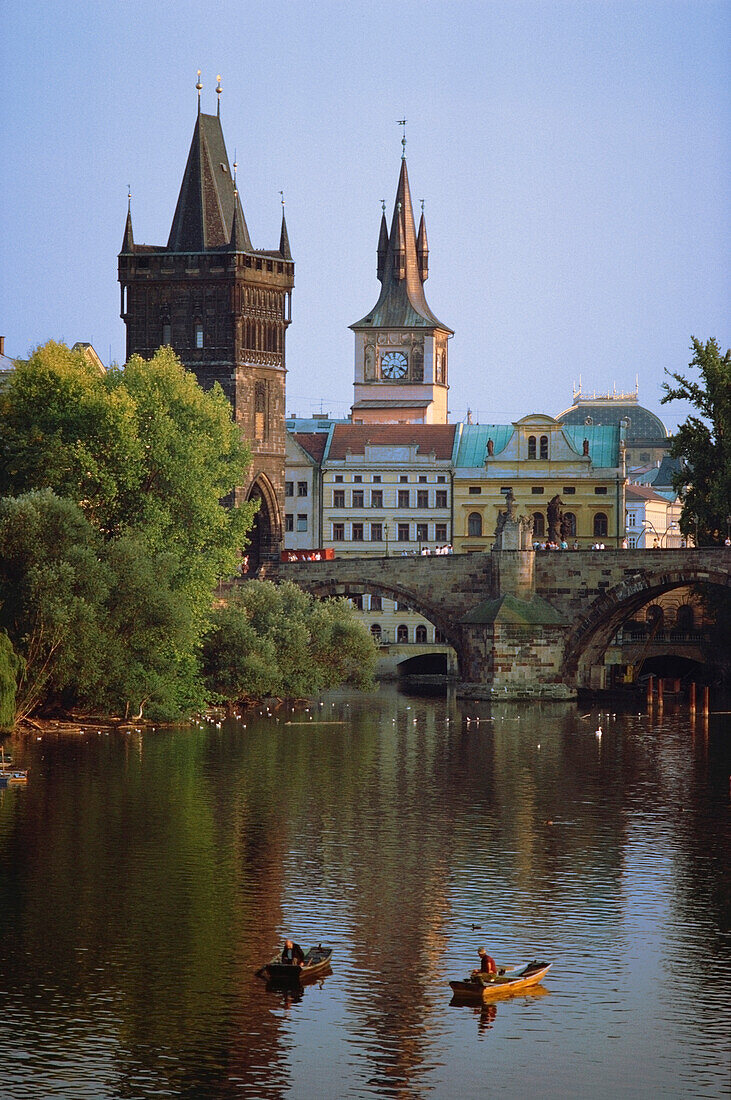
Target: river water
{"points": [[145, 876]]}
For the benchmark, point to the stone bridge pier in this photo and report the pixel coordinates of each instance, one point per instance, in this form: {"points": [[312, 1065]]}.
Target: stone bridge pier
{"points": [[523, 623]]}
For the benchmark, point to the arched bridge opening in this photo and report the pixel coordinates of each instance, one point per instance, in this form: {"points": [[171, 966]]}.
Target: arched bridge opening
{"points": [[446, 631], [587, 643]]}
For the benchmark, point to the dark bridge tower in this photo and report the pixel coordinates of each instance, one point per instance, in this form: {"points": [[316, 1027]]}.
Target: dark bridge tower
{"points": [[224, 307]]}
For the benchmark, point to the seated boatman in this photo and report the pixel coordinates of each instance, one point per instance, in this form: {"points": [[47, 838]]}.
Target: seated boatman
{"points": [[487, 965], [292, 953]]}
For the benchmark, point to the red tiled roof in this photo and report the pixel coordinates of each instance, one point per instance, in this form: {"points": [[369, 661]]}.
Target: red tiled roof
{"points": [[644, 492], [438, 438], [312, 442]]}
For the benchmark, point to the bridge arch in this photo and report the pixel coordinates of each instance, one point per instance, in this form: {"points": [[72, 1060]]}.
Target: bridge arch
{"points": [[587, 642], [326, 588]]}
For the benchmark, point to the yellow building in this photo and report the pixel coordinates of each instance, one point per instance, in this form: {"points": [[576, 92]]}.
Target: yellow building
{"points": [[579, 467]]}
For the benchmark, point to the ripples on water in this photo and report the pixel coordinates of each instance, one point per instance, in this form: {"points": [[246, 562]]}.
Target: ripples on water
{"points": [[144, 878]]}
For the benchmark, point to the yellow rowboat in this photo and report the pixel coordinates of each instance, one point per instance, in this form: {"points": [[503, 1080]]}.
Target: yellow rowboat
{"points": [[483, 987]]}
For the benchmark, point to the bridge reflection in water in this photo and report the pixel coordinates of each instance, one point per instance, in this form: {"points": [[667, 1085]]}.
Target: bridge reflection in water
{"points": [[522, 623]]}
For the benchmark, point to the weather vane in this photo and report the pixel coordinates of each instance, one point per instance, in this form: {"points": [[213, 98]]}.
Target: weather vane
{"points": [[402, 122], [282, 194]]}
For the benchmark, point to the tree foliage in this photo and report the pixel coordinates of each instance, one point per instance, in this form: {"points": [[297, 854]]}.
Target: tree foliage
{"points": [[10, 668], [142, 450], [94, 623], [703, 442], [276, 640]]}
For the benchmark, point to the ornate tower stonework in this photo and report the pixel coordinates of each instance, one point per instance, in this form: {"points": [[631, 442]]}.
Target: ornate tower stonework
{"points": [[401, 373], [224, 307]]}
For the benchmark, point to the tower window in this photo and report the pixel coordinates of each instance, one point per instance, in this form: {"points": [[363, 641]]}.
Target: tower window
{"points": [[260, 410], [531, 446], [544, 447], [198, 335], [167, 333]]}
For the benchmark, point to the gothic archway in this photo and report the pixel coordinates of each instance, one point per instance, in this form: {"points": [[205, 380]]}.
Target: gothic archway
{"points": [[265, 539]]}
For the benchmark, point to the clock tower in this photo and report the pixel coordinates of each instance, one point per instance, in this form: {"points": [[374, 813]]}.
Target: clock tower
{"points": [[400, 346]]}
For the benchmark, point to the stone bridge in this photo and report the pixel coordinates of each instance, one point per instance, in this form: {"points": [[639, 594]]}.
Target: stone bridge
{"points": [[521, 622]]}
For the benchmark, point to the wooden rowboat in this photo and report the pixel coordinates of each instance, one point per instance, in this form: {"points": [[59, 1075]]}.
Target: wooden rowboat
{"points": [[484, 987], [316, 965]]}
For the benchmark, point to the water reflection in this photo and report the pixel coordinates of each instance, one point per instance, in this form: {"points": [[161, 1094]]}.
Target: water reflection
{"points": [[144, 878]]}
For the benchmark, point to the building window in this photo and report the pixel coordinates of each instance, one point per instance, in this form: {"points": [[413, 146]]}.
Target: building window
{"points": [[631, 519], [423, 479], [422, 499], [338, 498], [422, 532], [539, 525], [644, 456], [301, 488], [289, 488], [505, 489], [357, 535], [357, 602], [357, 498], [167, 333], [568, 526], [440, 500], [376, 603], [404, 479], [357, 478], [475, 490], [376, 498], [655, 616], [474, 524], [569, 490], [685, 619], [438, 636], [441, 479], [338, 532], [544, 446], [377, 478], [632, 542], [402, 633], [531, 446], [260, 410], [288, 522], [420, 633], [376, 632], [404, 498], [600, 524], [301, 522], [403, 532], [376, 532], [198, 335], [440, 532], [600, 490], [338, 479]]}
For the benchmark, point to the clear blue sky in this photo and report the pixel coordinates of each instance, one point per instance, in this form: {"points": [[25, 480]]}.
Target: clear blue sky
{"points": [[573, 156]]}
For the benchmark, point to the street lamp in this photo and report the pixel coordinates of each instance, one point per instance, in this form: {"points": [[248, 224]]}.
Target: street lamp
{"points": [[648, 523], [666, 532]]}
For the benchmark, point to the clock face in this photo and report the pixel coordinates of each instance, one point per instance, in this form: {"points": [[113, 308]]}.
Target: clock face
{"points": [[394, 364]]}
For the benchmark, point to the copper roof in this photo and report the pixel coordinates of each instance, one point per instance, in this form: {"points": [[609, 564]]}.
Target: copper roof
{"points": [[430, 438]]}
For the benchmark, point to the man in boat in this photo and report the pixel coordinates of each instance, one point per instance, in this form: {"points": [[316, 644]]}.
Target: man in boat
{"points": [[292, 953], [487, 964]]}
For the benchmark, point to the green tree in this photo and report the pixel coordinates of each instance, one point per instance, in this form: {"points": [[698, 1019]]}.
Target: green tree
{"points": [[142, 450], [97, 624], [278, 640], [10, 669], [703, 442]]}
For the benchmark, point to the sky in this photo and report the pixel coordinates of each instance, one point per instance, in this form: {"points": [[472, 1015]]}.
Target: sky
{"points": [[573, 157]]}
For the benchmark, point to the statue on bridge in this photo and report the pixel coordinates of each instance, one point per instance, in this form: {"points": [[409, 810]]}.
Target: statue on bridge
{"points": [[513, 532], [555, 519]]}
